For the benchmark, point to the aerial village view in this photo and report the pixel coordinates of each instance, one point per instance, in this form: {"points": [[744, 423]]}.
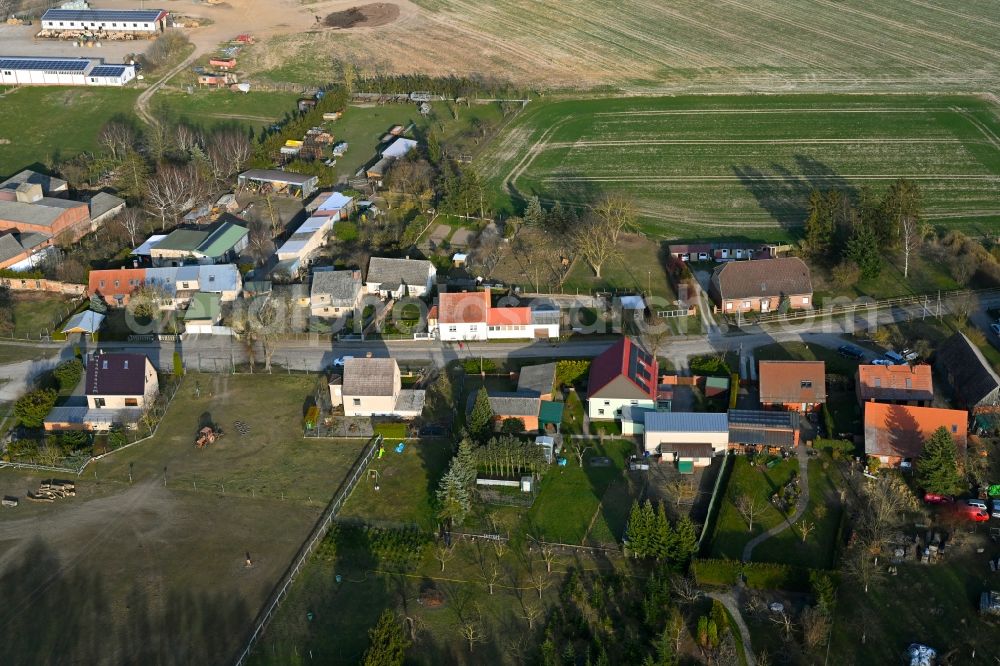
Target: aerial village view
{"points": [[503, 332]]}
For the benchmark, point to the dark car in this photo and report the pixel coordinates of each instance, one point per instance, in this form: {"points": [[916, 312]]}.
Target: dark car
{"points": [[850, 351], [934, 498]]}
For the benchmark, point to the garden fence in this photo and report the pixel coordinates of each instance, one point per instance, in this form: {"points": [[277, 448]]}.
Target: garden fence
{"points": [[713, 504], [319, 532]]}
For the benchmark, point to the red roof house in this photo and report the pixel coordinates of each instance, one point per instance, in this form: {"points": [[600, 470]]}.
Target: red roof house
{"points": [[625, 374], [898, 384], [894, 433]]}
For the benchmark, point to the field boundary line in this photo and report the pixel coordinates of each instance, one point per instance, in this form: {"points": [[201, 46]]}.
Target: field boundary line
{"points": [[280, 591]]}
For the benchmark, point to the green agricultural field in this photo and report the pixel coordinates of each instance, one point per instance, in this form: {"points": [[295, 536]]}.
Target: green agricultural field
{"points": [[43, 123], [745, 165], [215, 107]]}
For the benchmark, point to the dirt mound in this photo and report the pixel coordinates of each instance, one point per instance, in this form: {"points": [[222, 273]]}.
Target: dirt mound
{"points": [[365, 16]]}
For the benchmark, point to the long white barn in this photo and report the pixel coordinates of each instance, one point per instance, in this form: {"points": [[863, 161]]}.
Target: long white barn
{"points": [[145, 21], [25, 71]]}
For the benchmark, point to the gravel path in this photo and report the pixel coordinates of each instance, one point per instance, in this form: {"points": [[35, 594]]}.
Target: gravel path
{"points": [[800, 507], [729, 601]]}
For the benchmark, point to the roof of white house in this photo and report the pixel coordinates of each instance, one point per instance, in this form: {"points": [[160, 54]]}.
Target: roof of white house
{"points": [[151, 242], [686, 422], [633, 302], [399, 147], [369, 376], [387, 271], [335, 201], [87, 321]]}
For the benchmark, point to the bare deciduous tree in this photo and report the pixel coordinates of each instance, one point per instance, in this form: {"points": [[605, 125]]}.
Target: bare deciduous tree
{"points": [[786, 624], [685, 588], [186, 137], [863, 566], [259, 243], [117, 137], [815, 627], [594, 242], [617, 212], [444, 553], [910, 233], [549, 556], [130, 223], [473, 634], [683, 490], [228, 152], [805, 528], [531, 613], [748, 507], [173, 190], [491, 574], [539, 581]]}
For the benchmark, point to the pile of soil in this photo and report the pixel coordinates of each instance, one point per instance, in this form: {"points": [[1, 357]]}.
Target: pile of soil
{"points": [[365, 16]]}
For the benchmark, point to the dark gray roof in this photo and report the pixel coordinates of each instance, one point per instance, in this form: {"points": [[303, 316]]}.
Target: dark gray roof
{"points": [[688, 450], [537, 378], [686, 422], [14, 243], [758, 427], [341, 286], [102, 203], [392, 272], [42, 213], [513, 403], [972, 379], [369, 376], [116, 374], [48, 183]]}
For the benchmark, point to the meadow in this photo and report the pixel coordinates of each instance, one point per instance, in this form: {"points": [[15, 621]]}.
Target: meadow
{"points": [[745, 165]]}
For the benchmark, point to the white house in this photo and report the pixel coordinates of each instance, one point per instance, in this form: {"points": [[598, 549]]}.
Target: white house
{"points": [[26, 71], [180, 283], [623, 375], [118, 381], [686, 436], [373, 387], [400, 277], [141, 21], [335, 293], [471, 316]]}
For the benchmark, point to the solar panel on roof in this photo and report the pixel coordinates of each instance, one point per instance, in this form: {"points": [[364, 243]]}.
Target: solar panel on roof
{"points": [[136, 15], [46, 64], [108, 70]]}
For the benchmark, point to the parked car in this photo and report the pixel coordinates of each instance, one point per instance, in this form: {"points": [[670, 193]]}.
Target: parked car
{"points": [[977, 516], [995, 504], [895, 357], [339, 362], [976, 503], [934, 498], [850, 351], [995, 328], [882, 361]]}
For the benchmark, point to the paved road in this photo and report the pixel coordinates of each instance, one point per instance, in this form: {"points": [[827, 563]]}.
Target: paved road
{"points": [[729, 601], [800, 507]]}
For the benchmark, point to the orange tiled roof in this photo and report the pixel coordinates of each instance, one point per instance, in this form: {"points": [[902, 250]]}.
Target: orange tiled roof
{"points": [[901, 430], [463, 307], [792, 381], [895, 382]]}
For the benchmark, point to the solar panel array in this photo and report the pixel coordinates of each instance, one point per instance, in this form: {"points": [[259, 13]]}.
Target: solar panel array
{"points": [[135, 15], [76, 65], [108, 70]]}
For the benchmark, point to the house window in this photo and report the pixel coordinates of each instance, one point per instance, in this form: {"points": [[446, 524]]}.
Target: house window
{"points": [[452, 329], [126, 365], [806, 384], [634, 402], [600, 412], [131, 402], [729, 306], [102, 284], [954, 429], [747, 304], [99, 402], [211, 278], [117, 283], [357, 402], [607, 402], [104, 364], [805, 300], [878, 382], [909, 383]]}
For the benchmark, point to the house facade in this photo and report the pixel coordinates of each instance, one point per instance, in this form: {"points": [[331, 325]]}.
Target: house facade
{"points": [[692, 436], [796, 386], [115, 286], [469, 316], [373, 387], [119, 381], [624, 374], [761, 285], [895, 384]]}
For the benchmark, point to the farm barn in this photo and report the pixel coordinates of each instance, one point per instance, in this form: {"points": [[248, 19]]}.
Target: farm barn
{"points": [[24, 71], [142, 21]]}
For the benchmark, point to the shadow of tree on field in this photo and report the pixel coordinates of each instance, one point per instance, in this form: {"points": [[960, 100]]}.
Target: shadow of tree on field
{"points": [[783, 191]]}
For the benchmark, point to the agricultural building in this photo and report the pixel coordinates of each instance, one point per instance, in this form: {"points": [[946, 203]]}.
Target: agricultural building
{"points": [[135, 21], [25, 71], [278, 182], [795, 386], [972, 381], [761, 286]]}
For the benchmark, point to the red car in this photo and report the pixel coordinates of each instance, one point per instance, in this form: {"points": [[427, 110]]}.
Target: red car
{"points": [[934, 498], [972, 513]]}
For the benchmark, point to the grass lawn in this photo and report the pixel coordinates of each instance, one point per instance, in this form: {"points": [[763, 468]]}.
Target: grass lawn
{"points": [[215, 107], [639, 268], [934, 605], [38, 312], [569, 506], [15, 353], [743, 166], [800, 351], [407, 482], [730, 528], [823, 511], [175, 523], [69, 125], [572, 423]]}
